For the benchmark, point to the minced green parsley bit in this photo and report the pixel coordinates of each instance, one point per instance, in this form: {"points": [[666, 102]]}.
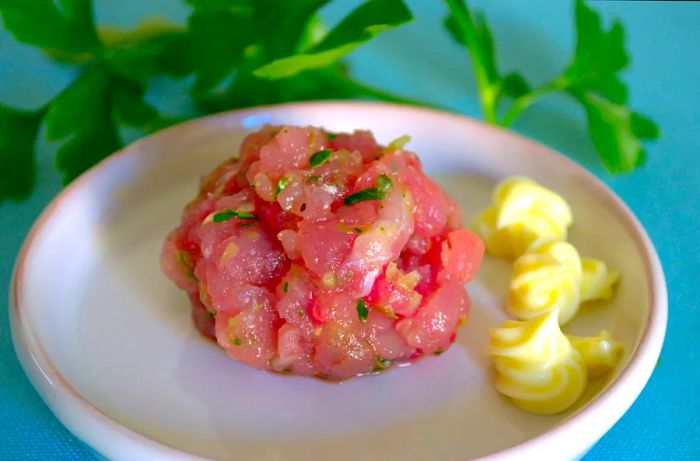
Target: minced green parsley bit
{"points": [[439, 351], [184, 259], [399, 142], [285, 287], [236, 341], [211, 314], [281, 184], [319, 157], [331, 136], [381, 363], [384, 184], [229, 213], [362, 310]]}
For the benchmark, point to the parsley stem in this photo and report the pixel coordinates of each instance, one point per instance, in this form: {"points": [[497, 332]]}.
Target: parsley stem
{"points": [[488, 94], [524, 101]]}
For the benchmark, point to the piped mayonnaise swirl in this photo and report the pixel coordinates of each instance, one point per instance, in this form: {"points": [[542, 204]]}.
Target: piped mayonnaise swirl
{"points": [[597, 281], [522, 211], [546, 278], [600, 353], [536, 365], [551, 275]]}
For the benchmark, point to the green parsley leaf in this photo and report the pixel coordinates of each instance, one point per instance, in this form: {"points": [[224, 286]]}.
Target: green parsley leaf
{"points": [[65, 25], [292, 22], [362, 311], [229, 213], [18, 131], [285, 287], [224, 62], [84, 117], [212, 48], [514, 85], [81, 116], [320, 157], [361, 25], [145, 50], [331, 136], [592, 78], [599, 56], [236, 341], [211, 314], [616, 132], [130, 109]]}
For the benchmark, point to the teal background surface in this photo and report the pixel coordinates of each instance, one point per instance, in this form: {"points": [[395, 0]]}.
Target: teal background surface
{"points": [[419, 60]]}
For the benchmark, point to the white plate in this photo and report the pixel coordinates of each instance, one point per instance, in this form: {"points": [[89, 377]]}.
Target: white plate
{"points": [[108, 343]]}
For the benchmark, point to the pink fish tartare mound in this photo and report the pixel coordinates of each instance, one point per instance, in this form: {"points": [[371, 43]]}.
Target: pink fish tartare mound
{"points": [[323, 254]]}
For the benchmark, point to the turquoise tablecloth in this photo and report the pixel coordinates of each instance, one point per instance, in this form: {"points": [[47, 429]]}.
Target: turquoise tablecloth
{"points": [[419, 60]]}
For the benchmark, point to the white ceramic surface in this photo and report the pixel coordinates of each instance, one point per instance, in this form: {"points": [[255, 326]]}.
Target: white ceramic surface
{"points": [[107, 340]]}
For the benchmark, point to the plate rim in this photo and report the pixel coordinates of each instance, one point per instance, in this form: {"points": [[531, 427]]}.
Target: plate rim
{"points": [[116, 440]]}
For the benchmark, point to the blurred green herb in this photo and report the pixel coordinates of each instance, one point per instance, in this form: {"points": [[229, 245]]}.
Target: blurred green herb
{"points": [[17, 134], [240, 52], [592, 79], [84, 118]]}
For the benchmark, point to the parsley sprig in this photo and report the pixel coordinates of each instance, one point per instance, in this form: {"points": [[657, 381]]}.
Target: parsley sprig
{"points": [[225, 49], [591, 78], [85, 117], [228, 53]]}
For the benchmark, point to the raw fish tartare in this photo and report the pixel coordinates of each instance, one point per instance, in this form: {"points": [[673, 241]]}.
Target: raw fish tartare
{"points": [[323, 254]]}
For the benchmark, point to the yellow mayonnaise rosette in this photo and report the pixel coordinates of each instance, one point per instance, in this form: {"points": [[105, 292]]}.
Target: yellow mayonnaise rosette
{"points": [[597, 281], [546, 278], [537, 368], [601, 353], [522, 212]]}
